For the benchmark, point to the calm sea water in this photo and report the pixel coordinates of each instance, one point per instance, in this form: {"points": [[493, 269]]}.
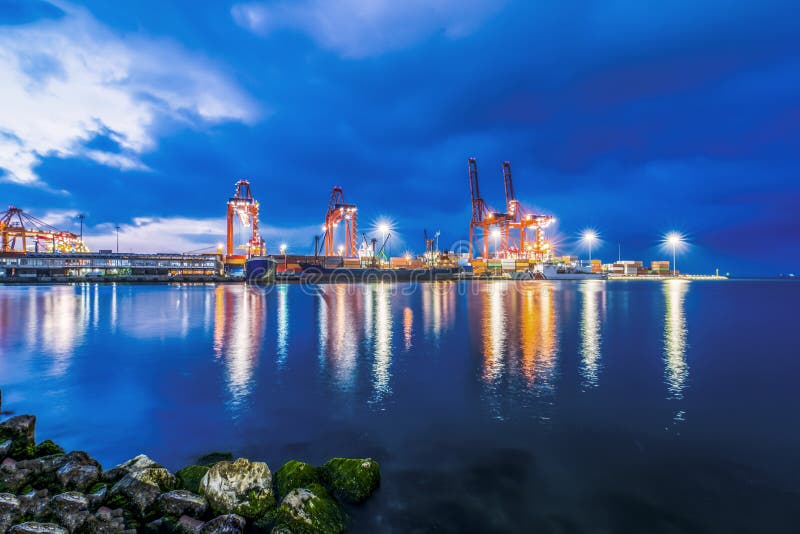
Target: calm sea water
{"points": [[492, 406]]}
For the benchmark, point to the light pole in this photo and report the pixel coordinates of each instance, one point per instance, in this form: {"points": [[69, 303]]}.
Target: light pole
{"points": [[589, 237], [81, 217], [117, 229], [674, 239]]}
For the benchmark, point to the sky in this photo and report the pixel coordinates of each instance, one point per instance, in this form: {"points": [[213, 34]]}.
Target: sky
{"points": [[631, 118]]}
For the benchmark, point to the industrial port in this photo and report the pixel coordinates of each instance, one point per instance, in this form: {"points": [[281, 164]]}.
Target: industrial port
{"points": [[508, 243]]}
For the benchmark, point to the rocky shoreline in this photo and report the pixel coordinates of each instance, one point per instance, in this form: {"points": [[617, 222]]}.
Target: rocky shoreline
{"points": [[44, 490]]}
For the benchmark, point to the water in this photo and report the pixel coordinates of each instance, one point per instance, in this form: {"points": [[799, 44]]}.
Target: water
{"points": [[548, 407]]}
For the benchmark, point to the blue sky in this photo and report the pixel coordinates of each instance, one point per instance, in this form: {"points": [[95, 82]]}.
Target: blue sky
{"points": [[631, 118]]}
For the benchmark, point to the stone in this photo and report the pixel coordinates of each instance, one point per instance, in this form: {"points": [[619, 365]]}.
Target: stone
{"points": [[48, 447], [294, 475], [309, 510], [139, 490], [79, 473], [73, 471], [162, 525], [352, 479], [189, 524], [13, 479], [37, 528], [70, 509], [224, 524], [35, 503], [105, 523], [20, 430], [181, 502], [134, 464], [5, 446], [241, 487], [211, 458], [10, 510], [189, 477], [97, 494]]}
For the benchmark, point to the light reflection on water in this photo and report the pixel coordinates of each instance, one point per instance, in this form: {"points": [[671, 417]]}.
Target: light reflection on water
{"points": [[675, 333], [593, 292], [517, 329]]}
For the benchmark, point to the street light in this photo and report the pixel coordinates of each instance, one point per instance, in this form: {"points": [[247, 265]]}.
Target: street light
{"points": [[496, 236], [675, 240], [283, 248], [589, 237]]}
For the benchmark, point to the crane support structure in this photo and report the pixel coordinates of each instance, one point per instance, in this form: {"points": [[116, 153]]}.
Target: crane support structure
{"points": [[245, 207], [483, 217], [20, 232], [523, 220], [340, 211]]}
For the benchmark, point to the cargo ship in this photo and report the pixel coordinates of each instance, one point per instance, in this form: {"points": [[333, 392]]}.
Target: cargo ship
{"points": [[260, 269], [312, 273]]}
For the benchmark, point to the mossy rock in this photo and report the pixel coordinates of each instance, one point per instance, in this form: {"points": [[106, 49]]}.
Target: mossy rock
{"points": [[189, 477], [210, 459], [48, 447], [295, 475], [257, 504], [351, 479], [309, 510]]}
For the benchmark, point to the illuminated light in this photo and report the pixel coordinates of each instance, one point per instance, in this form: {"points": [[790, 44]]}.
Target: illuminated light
{"points": [[324, 227], [341, 249], [283, 248], [589, 236], [675, 241], [495, 233]]}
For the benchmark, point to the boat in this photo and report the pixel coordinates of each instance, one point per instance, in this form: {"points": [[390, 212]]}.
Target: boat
{"points": [[312, 273], [558, 271], [259, 269]]}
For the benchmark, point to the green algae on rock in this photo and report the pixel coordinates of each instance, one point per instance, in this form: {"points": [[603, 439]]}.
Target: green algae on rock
{"points": [[351, 479], [241, 487], [294, 475], [309, 510], [189, 477]]}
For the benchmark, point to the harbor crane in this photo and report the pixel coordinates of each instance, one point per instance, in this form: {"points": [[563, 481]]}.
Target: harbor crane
{"points": [[245, 207], [18, 231], [483, 217], [523, 220], [340, 211]]}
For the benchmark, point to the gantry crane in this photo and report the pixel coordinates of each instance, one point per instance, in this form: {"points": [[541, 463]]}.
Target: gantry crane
{"points": [[338, 211], [520, 219], [483, 217], [243, 205], [18, 230]]}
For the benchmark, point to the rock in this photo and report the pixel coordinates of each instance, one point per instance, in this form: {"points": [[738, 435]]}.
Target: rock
{"points": [[37, 528], [224, 524], [241, 487], [189, 524], [352, 479], [294, 475], [189, 477], [20, 430], [13, 479], [5, 446], [210, 459], [48, 447], [35, 503], [10, 510], [70, 509], [134, 464], [58, 472], [138, 490], [162, 525], [309, 510], [97, 494], [181, 502], [103, 522]]}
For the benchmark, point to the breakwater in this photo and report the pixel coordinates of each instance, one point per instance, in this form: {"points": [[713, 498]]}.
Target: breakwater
{"points": [[45, 490]]}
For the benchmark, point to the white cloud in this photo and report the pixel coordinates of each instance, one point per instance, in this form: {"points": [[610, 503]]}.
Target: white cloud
{"points": [[68, 80], [361, 28], [185, 234]]}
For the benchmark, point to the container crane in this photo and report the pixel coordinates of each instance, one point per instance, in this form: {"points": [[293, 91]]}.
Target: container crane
{"points": [[18, 231], [483, 217], [339, 211], [245, 207], [523, 220]]}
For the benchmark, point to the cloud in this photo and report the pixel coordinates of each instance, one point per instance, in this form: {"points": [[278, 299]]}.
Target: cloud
{"points": [[183, 234], [67, 81], [358, 28]]}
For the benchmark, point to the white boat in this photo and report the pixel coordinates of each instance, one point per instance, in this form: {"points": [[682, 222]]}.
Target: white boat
{"points": [[558, 271]]}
